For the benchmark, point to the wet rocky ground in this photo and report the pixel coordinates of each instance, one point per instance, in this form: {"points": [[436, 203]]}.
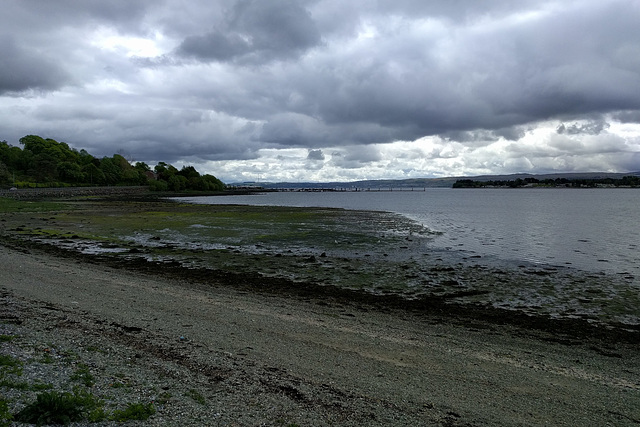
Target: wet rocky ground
{"points": [[244, 316], [375, 256]]}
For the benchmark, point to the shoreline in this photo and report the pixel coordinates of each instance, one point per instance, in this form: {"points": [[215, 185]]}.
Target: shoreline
{"points": [[441, 308], [307, 359], [325, 250], [236, 346]]}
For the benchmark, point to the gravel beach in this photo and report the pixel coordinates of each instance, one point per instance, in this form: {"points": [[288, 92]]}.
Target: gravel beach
{"points": [[215, 355]]}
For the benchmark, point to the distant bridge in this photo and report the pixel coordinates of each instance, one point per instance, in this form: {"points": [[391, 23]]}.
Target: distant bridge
{"points": [[351, 189]]}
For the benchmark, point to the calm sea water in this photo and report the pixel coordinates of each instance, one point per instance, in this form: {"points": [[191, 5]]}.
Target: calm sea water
{"points": [[587, 229]]}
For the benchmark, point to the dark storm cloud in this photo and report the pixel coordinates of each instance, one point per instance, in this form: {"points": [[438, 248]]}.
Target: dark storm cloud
{"points": [[483, 136], [256, 30], [627, 116], [490, 77], [316, 155], [355, 156], [23, 69], [123, 14], [37, 54], [589, 128], [224, 79], [215, 45], [470, 136], [513, 133]]}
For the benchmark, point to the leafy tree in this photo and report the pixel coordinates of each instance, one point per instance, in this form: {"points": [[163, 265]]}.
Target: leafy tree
{"points": [[46, 161], [165, 171], [111, 171], [189, 172], [45, 168], [33, 143], [158, 185], [142, 167], [93, 174], [5, 177], [213, 183], [9, 155], [177, 183], [85, 158], [630, 181], [70, 172], [128, 174]]}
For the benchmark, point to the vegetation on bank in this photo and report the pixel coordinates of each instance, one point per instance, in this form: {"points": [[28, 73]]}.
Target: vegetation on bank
{"points": [[48, 163], [48, 406], [626, 181]]}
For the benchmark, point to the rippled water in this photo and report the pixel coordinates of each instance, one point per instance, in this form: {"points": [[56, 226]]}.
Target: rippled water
{"points": [[588, 229]]}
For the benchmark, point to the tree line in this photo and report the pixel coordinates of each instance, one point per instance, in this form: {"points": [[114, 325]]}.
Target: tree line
{"points": [[625, 181], [48, 163]]}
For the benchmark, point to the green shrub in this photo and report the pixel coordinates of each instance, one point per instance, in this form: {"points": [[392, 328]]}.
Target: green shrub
{"points": [[83, 375], [59, 408], [51, 408], [40, 386], [9, 365], [158, 185], [5, 415]]}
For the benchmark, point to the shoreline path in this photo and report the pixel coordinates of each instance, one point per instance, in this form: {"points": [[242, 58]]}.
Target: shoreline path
{"points": [[306, 361]]}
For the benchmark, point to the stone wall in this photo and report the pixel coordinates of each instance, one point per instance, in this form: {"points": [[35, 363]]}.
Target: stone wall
{"points": [[47, 193]]}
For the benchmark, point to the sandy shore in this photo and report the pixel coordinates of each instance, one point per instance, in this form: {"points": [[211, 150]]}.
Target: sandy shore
{"points": [[268, 359]]}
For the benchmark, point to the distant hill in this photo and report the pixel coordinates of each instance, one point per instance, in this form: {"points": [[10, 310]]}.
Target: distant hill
{"points": [[426, 182]]}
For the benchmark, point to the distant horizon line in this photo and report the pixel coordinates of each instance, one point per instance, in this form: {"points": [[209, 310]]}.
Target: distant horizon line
{"points": [[449, 178]]}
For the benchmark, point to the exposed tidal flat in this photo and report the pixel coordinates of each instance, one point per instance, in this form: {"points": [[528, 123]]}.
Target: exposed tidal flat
{"points": [[246, 316], [370, 253]]}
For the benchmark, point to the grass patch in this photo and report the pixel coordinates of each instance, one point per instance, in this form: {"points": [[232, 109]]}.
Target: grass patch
{"points": [[61, 407], [7, 338], [14, 385], [163, 398], [195, 395], [12, 366], [9, 365], [41, 386], [11, 205], [47, 359], [83, 376], [118, 384], [18, 385], [5, 416], [135, 411], [243, 225]]}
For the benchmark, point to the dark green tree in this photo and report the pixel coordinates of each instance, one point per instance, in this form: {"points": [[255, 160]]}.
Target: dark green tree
{"points": [[110, 170], [47, 161], [71, 172], [177, 183], [189, 172], [5, 175], [93, 174]]}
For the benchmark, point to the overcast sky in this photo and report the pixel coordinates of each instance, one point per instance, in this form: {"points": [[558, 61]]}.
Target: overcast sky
{"points": [[322, 90]]}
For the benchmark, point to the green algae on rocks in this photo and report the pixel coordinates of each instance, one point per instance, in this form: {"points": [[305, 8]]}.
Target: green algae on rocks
{"points": [[376, 253]]}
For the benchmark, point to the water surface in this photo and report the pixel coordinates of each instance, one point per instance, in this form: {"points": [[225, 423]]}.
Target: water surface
{"points": [[587, 229]]}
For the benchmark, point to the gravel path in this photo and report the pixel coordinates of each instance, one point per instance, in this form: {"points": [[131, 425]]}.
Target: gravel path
{"points": [[211, 355]]}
